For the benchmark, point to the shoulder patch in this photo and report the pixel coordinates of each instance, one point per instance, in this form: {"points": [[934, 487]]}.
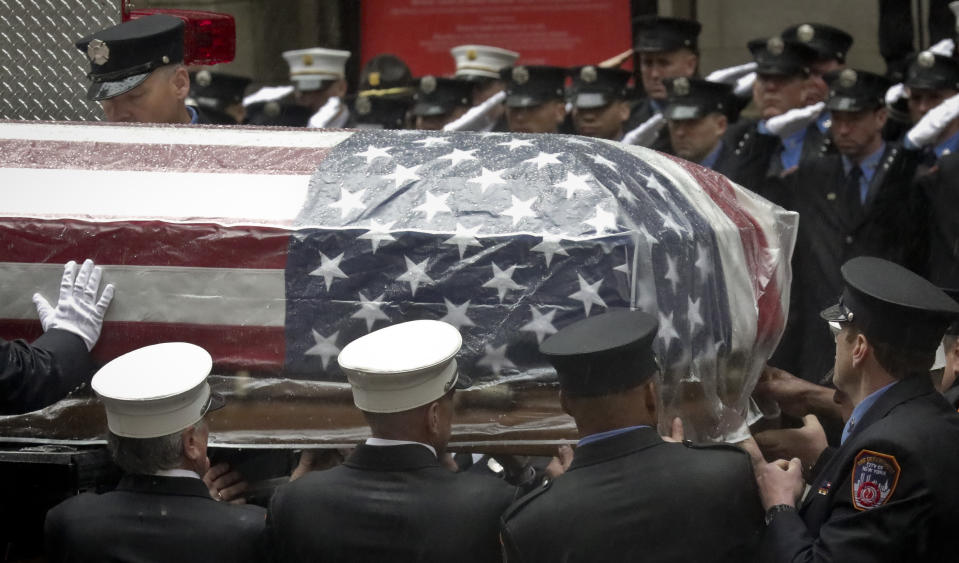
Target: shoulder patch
{"points": [[874, 478], [522, 501]]}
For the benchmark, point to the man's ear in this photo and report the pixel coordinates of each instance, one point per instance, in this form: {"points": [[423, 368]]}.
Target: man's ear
{"points": [[722, 123], [622, 110], [433, 418], [192, 448], [560, 107], [860, 348], [181, 82]]}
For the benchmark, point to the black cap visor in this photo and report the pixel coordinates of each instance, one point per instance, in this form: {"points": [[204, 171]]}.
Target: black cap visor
{"points": [[105, 90], [847, 103], [427, 109]]}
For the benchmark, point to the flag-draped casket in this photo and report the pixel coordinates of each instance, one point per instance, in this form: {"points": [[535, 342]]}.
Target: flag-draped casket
{"points": [[275, 248]]}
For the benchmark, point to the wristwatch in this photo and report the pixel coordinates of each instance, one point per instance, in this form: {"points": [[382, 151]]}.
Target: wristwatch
{"points": [[776, 509]]}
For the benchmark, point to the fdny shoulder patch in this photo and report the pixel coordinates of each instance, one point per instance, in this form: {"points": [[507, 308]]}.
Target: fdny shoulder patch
{"points": [[874, 478]]}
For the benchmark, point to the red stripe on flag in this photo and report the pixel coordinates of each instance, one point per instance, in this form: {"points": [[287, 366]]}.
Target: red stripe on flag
{"points": [[143, 243], [159, 158], [771, 318], [249, 348]]}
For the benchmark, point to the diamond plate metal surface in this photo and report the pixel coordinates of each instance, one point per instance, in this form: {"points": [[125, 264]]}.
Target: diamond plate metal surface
{"points": [[42, 75]]}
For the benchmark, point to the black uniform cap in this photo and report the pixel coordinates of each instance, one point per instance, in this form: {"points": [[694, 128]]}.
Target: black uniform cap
{"points": [[217, 90], [693, 98], [595, 86], [387, 75], [439, 96], [856, 90], [122, 57], [380, 112], [654, 34], [605, 354], [893, 305], [775, 56], [528, 86], [830, 43], [929, 71], [278, 114]]}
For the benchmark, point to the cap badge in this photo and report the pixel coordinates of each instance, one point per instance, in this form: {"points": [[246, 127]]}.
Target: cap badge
{"points": [[848, 78], [308, 59], [520, 75], [449, 384], [98, 52], [927, 59], [588, 74], [272, 109], [471, 55], [373, 79], [204, 78], [681, 86], [363, 106], [775, 45], [805, 33], [428, 84]]}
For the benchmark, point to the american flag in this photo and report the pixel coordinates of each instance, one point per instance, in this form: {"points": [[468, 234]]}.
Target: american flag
{"points": [[275, 248]]}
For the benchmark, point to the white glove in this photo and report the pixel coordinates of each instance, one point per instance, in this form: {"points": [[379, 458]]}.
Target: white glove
{"points": [[267, 94], [646, 133], [744, 86], [331, 115], [793, 120], [478, 116], [732, 74], [927, 129], [78, 309], [944, 47], [895, 93]]}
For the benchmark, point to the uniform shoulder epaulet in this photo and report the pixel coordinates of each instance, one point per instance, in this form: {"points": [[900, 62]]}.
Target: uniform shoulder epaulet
{"points": [[522, 501], [710, 446]]}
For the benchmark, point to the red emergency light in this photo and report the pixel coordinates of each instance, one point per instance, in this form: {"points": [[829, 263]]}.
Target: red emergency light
{"points": [[209, 37]]}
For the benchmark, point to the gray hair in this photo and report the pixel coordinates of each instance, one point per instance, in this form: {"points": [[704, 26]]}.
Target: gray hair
{"points": [[146, 455]]}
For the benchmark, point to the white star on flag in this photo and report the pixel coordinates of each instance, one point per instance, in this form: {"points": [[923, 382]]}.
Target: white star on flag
{"points": [[549, 246], [603, 222], [488, 178], [329, 269], [325, 347], [623, 191], [502, 281], [495, 359], [653, 184], [520, 209], [372, 153], [543, 159], [432, 142], [514, 144], [464, 237], [434, 204], [370, 310], [415, 274], [378, 233], [458, 156], [648, 238], [403, 175], [588, 294], [541, 324], [666, 330], [669, 223], [456, 314], [603, 161], [702, 262], [672, 274], [574, 183], [695, 315], [349, 201]]}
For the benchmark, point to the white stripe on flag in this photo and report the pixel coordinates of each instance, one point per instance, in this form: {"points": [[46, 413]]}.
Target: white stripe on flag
{"points": [[211, 296], [109, 195], [242, 136]]}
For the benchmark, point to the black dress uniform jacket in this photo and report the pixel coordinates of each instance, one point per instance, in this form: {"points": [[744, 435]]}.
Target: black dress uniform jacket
{"points": [[914, 424], [640, 112], [634, 497], [940, 190], [33, 376], [388, 503], [150, 518], [830, 233]]}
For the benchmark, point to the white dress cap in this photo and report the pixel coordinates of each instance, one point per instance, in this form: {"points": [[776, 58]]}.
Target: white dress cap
{"points": [[403, 366], [312, 69], [481, 60], [155, 390]]}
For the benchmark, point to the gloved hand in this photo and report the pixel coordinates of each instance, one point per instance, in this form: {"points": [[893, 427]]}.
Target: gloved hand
{"points": [[477, 117], [732, 74], [793, 120], [78, 309], [744, 86], [331, 115], [927, 129], [895, 93], [945, 47], [646, 133]]}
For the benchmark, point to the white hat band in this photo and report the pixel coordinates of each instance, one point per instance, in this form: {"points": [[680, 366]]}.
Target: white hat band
{"points": [[375, 393], [141, 419]]}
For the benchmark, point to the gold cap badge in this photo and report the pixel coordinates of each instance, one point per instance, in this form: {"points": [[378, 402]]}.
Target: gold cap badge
{"points": [[471, 55], [374, 79]]}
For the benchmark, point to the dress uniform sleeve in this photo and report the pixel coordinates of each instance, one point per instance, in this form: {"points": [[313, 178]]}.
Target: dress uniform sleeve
{"points": [[890, 531], [33, 376]]}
